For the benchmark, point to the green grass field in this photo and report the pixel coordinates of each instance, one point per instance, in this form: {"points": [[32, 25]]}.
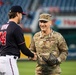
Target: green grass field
{"points": [[28, 67]]}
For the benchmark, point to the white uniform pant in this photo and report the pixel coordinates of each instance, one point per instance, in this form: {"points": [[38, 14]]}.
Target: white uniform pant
{"points": [[8, 65]]}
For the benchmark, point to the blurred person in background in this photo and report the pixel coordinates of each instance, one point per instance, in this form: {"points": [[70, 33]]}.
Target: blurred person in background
{"points": [[1, 3], [12, 42], [50, 47]]}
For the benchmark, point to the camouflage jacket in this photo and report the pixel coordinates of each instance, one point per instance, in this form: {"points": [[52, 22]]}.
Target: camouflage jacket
{"points": [[52, 43]]}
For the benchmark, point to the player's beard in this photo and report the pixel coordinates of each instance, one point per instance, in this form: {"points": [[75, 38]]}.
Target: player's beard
{"points": [[18, 22]]}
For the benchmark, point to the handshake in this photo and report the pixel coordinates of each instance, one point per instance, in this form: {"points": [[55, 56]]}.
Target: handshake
{"points": [[34, 58]]}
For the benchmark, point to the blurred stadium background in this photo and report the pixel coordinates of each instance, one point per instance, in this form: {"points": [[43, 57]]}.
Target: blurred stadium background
{"points": [[64, 21]]}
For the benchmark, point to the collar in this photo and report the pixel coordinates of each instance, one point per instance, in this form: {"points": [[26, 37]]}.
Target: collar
{"points": [[50, 34]]}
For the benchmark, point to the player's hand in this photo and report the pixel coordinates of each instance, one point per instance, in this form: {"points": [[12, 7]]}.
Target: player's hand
{"points": [[34, 58]]}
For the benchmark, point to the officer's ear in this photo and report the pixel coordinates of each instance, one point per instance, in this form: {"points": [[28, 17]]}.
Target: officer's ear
{"points": [[51, 23]]}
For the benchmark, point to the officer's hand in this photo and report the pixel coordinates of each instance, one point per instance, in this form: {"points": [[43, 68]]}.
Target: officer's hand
{"points": [[35, 57]]}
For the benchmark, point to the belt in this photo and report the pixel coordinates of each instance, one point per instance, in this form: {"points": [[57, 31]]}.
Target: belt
{"points": [[2, 54], [15, 57]]}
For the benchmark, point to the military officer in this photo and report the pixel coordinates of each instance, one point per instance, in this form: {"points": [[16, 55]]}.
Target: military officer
{"points": [[48, 41]]}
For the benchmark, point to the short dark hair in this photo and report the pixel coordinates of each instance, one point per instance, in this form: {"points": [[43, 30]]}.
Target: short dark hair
{"points": [[12, 15]]}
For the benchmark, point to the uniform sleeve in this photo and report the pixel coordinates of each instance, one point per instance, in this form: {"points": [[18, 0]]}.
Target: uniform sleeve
{"points": [[25, 50], [32, 46], [63, 48], [18, 34]]}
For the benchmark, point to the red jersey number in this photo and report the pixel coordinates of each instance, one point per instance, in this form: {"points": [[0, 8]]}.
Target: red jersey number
{"points": [[3, 37]]}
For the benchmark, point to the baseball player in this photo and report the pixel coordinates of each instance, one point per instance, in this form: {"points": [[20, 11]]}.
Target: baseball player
{"points": [[12, 42], [50, 47]]}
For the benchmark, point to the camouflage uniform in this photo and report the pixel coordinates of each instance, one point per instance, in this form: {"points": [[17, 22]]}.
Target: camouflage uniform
{"points": [[43, 46]]}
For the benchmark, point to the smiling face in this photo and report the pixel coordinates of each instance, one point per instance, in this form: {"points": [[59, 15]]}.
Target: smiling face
{"points": [[45, 22], [44, 25]]}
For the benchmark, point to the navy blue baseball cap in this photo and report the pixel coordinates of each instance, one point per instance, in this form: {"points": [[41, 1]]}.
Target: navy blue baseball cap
{"points": [[17, 9]]}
